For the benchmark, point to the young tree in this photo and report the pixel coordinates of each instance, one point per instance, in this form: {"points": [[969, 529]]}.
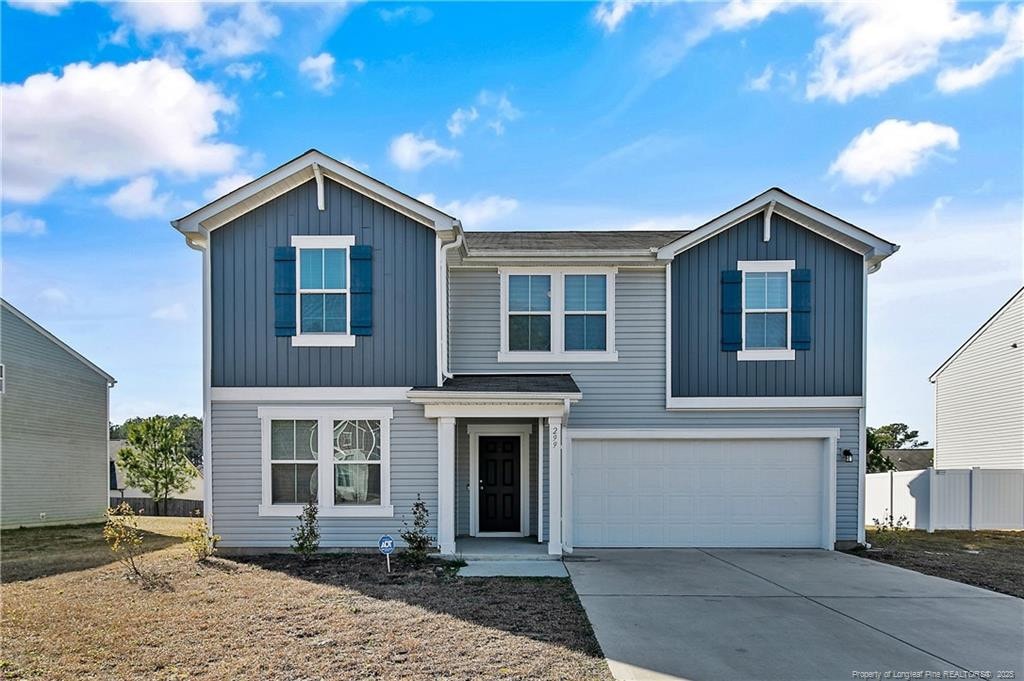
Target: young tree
{"points": [[192, 425], [889, 436], [153, 459]]}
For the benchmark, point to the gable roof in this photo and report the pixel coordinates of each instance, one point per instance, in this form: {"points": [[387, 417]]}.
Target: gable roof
{"points": [[967, 343], [57, 341], [536, 243], [872, 247], [312, 165]]}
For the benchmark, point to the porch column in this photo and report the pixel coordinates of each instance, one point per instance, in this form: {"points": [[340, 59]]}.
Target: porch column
{"points": [[555, 485], [446, 484]]}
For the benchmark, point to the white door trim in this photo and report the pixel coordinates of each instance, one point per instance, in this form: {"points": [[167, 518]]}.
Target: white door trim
{"points": [[828, 436], [522, 431]]}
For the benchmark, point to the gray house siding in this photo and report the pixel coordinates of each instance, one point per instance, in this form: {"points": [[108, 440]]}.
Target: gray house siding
{"points": [[462, 483], [401, 351], [833, 365], [53, 431], [237, 479], [630, 393]]}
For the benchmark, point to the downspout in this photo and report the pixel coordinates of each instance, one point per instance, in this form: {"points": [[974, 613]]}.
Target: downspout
{"points": [[443, 264]]}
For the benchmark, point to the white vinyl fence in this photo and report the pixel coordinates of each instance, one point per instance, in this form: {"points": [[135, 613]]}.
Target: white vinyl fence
{"points": [[952, 499]]}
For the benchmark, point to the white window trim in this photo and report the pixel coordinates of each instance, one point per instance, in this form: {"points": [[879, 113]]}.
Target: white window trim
{"points": [[522, 431], [322, 340], [766, 354], [558, 352], [325, 461], [3, 379]]}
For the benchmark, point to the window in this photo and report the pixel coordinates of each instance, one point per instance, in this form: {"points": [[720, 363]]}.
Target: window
{"points": [[529, 319], [324, 306], [766, 309], [339, 458], [585, 312], [3, 380], [557, 315]]}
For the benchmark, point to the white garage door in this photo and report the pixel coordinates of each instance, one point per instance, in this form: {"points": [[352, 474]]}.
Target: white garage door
{"points": [[712, 493]]}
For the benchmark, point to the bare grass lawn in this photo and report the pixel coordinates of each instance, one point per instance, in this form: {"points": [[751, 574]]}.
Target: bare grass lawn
{"points": [[68, 612], [990, 559]]}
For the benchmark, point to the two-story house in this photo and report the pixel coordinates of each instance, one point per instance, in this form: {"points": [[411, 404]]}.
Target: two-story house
{"points": [[583, 389]]}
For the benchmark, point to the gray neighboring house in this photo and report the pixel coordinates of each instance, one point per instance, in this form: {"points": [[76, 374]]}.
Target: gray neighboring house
{"points": [[911, 459], [698, 387], [979, 395], [53, 428]]}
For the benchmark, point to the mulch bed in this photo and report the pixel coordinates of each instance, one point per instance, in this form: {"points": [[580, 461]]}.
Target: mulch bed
{"points": [[277, 617], [990, 559]]}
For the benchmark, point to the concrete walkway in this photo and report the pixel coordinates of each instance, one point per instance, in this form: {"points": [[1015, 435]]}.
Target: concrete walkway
{"points": [[513, 568], [800, 614]]}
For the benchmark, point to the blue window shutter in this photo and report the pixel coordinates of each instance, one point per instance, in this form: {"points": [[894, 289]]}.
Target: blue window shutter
{"points": [[284, 291], [801, 309], [361, 289], [732, 310]]}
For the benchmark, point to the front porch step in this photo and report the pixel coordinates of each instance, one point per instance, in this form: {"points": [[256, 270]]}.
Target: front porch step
{"points": [[470, 556]]}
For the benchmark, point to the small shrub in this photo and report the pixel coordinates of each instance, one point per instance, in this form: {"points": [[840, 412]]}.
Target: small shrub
{"points": [[122, 532], [417, 541], [890, 531], [306, 539], [198, 540]]}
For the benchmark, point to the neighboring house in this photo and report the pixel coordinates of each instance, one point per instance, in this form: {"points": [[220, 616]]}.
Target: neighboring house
{"points": [[53, 428], [910, 459], [585, 389], [119, 488], [979, 395]]}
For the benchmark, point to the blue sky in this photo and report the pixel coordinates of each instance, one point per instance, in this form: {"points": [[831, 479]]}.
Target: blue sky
{"points": [[904, 118]]}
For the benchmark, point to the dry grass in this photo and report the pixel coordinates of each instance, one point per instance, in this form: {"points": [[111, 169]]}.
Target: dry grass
{"points": [[69, 612], [987, 558]]}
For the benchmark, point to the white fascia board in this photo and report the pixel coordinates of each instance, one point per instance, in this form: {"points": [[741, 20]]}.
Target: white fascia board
{"points": [[739, 433], [58, 342], [874, 248], [753, 403], [467, 409], [298, 171], [308, 394]]}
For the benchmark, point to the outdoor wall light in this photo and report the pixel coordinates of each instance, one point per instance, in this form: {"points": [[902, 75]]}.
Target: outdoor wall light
{"points": [[847, 456]]}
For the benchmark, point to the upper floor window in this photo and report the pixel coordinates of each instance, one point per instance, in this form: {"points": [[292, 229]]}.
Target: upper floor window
{"points": [[766, 309], [557, 315], [324, 307]]}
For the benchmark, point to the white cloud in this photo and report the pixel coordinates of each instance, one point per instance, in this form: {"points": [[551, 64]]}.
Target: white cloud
{"points": [[216, 30], [244, 70], [477, 211], [95, 123], [48, 7], [53, 296], [996, 62], [876, 45], [414, 14], [763, 82], [138, 199], [410, 151], [738, 14], [892, 149], [175, 312], [359, 65], [611, 13], [226, 184], [319, 70], [459, 118], [503, 110], [17, 222]]}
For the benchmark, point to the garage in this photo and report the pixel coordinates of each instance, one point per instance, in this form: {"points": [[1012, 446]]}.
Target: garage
{"points": [[747, 490]]}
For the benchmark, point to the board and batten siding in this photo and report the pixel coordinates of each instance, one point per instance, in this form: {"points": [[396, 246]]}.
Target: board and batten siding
{"points": [[833, 365], [237, 479], [402, 349], [630, 393], [979, 397], [53, 432]]}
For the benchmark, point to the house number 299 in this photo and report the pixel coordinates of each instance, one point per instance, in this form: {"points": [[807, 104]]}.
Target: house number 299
{"points": [[555, 433]]}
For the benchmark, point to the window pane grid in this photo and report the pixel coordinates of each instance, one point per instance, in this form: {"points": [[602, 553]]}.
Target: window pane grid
{"points": [[766, 310], [323, 286], [293, 461]]}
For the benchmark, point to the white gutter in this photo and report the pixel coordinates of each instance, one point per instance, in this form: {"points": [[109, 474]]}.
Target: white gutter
{"points": [[443, 313]]}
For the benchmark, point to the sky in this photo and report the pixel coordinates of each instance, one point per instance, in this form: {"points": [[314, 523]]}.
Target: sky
{"points": [[903, 118]]}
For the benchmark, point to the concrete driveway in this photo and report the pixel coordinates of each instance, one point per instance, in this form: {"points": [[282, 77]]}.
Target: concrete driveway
{"points": [[790, 614]]}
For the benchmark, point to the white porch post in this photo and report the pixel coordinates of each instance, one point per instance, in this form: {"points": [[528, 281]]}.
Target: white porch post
{"points": [[446, 484], [540, 480], [555, 485]]}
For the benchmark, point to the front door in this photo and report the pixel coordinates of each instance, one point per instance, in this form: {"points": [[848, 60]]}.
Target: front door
{"points": [[499, 483]]}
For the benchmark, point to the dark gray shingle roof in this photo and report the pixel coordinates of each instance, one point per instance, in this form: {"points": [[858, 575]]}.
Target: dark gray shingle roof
{"points": [[506, 383], [483, 242]]}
